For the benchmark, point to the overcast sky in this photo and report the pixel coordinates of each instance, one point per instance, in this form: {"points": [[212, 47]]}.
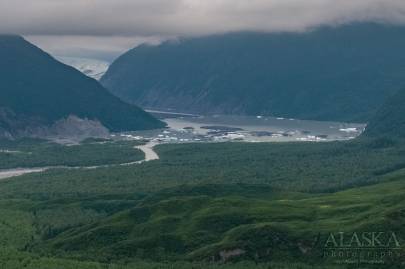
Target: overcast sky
{"points": [[112, 26]]}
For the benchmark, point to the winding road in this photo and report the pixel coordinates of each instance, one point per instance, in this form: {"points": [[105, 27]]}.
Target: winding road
{"points": [[148, 150]]}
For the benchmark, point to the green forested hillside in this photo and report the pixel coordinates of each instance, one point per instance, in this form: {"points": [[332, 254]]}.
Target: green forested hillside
{"points": [[269, 227], [192, 223], [340, 73], [390, 119], [199, 200], [274, 202], [35, 89]]}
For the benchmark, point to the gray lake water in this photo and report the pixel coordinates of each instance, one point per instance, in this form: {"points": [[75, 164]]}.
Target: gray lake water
{"points": [[222, 128]]}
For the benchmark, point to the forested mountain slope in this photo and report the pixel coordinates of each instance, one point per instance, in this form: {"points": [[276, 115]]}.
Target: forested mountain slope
{"points": [[332, 73], [390, 119], [36, 90]]}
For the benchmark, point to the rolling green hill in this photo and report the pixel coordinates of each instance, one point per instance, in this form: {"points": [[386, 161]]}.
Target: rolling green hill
{"points": [[37, 90], [203, 222], [340, 73]]}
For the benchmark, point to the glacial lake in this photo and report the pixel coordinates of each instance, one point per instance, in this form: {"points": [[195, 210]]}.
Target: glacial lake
{"points": [[186, 128]]}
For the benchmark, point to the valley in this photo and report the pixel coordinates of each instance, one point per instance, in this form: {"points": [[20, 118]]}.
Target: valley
{"points": [[253, 150], [201, 190], [187, 128]]}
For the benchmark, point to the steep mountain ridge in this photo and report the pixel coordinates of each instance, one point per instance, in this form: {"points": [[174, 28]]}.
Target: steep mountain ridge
{"points": [[332, 73], [37, 90], [389, 121]]}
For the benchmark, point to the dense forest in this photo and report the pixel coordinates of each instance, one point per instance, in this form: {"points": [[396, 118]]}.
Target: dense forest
{"points": [[272, 200], [30, 153], [389, 120]]}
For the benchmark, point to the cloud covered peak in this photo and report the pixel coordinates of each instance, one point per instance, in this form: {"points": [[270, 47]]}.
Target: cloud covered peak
{"points": [[186, 17]]}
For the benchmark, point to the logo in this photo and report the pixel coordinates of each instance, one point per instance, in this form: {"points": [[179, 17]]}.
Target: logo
{"points": [[365, 247]]}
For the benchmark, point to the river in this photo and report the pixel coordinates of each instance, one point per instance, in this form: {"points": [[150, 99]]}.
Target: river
{"points": [[148, 150]]}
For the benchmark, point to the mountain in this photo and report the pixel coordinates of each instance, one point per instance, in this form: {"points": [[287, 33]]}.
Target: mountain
{"points": [[331, 73], [37, 91], [390, 119]]}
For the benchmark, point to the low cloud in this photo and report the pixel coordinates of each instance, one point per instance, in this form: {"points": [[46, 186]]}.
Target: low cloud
{"points": [[185, 17], [126, 19]]}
